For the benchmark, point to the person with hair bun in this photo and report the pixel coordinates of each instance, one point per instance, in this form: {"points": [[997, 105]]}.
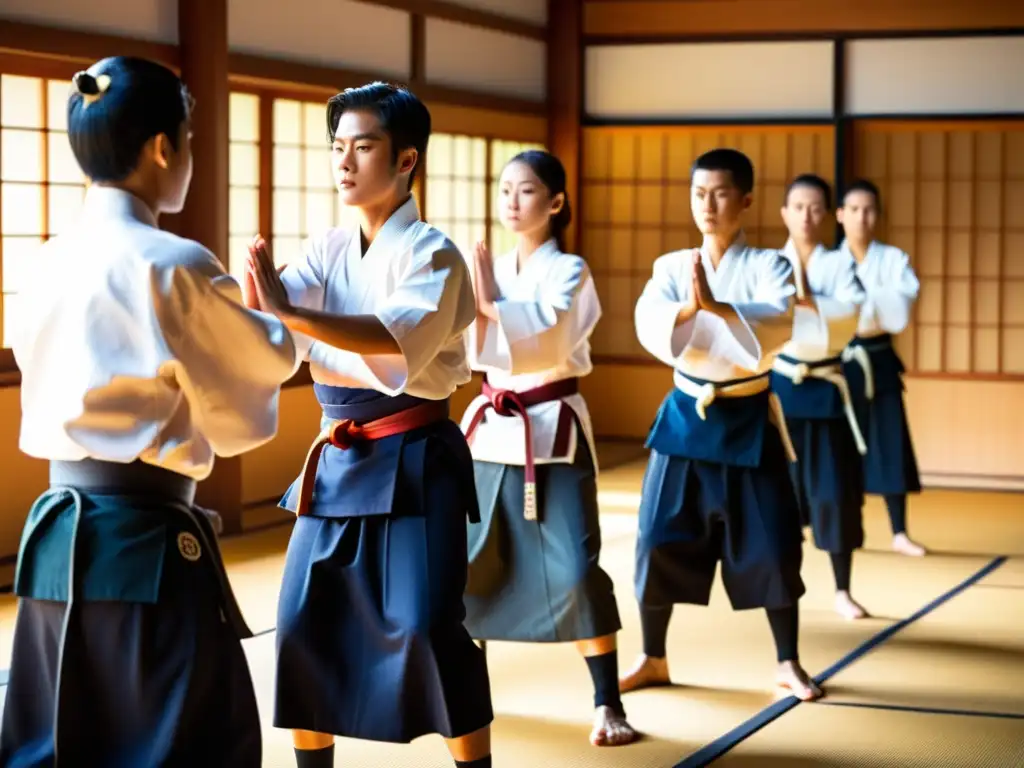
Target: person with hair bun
{"points": [[534, 574], [139, 364]]}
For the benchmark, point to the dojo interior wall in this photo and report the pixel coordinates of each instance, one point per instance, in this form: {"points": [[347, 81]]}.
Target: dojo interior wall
{"points": [[930, 120], [301, 53], [636, 204]]}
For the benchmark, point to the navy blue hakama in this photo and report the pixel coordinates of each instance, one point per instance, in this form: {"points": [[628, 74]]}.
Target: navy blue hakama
{"points": [[370, 639], [828, 476], [127, 644], [718, 490], [890, 467]]}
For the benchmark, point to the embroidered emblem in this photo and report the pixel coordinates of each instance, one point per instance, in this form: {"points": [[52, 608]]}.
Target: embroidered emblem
{"points": [[189, 547]]}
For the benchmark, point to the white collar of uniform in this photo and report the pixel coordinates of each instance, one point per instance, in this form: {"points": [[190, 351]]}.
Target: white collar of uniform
{"points": [[404, 217], [507, 265], [739, 245], [873, 247], [790, 252], [548, 248], [793, 256], [112, 203]]}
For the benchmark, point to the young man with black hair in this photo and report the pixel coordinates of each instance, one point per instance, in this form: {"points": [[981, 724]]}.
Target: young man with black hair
{"points": [[875, 370], [807, 376], [370, 639], [717, 485]]}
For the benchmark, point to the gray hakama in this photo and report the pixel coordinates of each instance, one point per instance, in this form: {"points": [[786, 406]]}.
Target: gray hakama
{"points": [[539, 580], [370, 636], [127, 643]]}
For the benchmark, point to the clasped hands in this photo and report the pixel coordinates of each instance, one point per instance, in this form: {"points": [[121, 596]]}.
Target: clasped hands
{"points": [[700, 295], [485, 286], [263, 288]]}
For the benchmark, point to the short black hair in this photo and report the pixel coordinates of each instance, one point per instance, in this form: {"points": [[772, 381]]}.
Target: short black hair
{"points": [[810, 180], [118, 105], [551, 172], [403, 117], [732, 161], [863, 185]]}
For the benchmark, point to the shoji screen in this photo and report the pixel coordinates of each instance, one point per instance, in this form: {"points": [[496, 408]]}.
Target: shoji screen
{"points": [[953, 198]]}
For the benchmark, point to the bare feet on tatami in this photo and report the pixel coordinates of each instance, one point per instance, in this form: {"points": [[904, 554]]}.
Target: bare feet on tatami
{"points": [[647, 672], [611, 729], [849, 608], [904, 545], [792, 677]]}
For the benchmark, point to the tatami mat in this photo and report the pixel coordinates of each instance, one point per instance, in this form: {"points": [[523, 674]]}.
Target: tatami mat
{"points": [[846, 737], [1010, 576], [964, 655]]}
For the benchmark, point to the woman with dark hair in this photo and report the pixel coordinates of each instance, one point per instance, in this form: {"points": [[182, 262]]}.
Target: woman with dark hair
{"points": [[139, 363], [534, 574]]}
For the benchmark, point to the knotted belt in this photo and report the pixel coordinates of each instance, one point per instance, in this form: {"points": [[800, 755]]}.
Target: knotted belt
{"points": [[706, 393], [860, 352], [831, 371], [506, 402], [343, 433]]}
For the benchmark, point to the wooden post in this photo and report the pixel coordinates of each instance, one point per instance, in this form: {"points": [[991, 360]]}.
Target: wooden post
{"points": [[565, 100], [203, 41]]}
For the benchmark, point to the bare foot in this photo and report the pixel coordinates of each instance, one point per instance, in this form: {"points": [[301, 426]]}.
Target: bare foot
{"points": [[611, 729], [794, 679], [849, 608], [647, 672], [904, 545]]}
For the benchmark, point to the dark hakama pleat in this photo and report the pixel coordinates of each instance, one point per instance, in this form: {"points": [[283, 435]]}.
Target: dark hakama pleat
{"points": [[370, 640], [890, 466], [163, 684], [694, 513], [539, 580], [139, 680], [828, 480]]}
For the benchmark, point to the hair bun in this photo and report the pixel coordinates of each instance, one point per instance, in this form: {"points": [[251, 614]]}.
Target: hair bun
{"points": [[86, 84]]}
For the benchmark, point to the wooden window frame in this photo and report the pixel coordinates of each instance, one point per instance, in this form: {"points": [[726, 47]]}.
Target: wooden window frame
{"points": [[45, 69], [490, 179]]}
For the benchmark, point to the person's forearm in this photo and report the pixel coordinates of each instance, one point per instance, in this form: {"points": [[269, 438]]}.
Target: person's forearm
{"points": [[725, 311], [250, 298], [686, 314], [489, 310], [360, 334]]}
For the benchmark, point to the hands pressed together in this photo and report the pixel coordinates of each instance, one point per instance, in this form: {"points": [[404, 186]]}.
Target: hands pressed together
{"points": [[486, 287], [701, 297], [263, 288]]}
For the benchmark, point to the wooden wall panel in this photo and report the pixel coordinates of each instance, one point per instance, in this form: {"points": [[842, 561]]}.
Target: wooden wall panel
{"points": [[953, 198], [636, 204], [661, 19]]}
